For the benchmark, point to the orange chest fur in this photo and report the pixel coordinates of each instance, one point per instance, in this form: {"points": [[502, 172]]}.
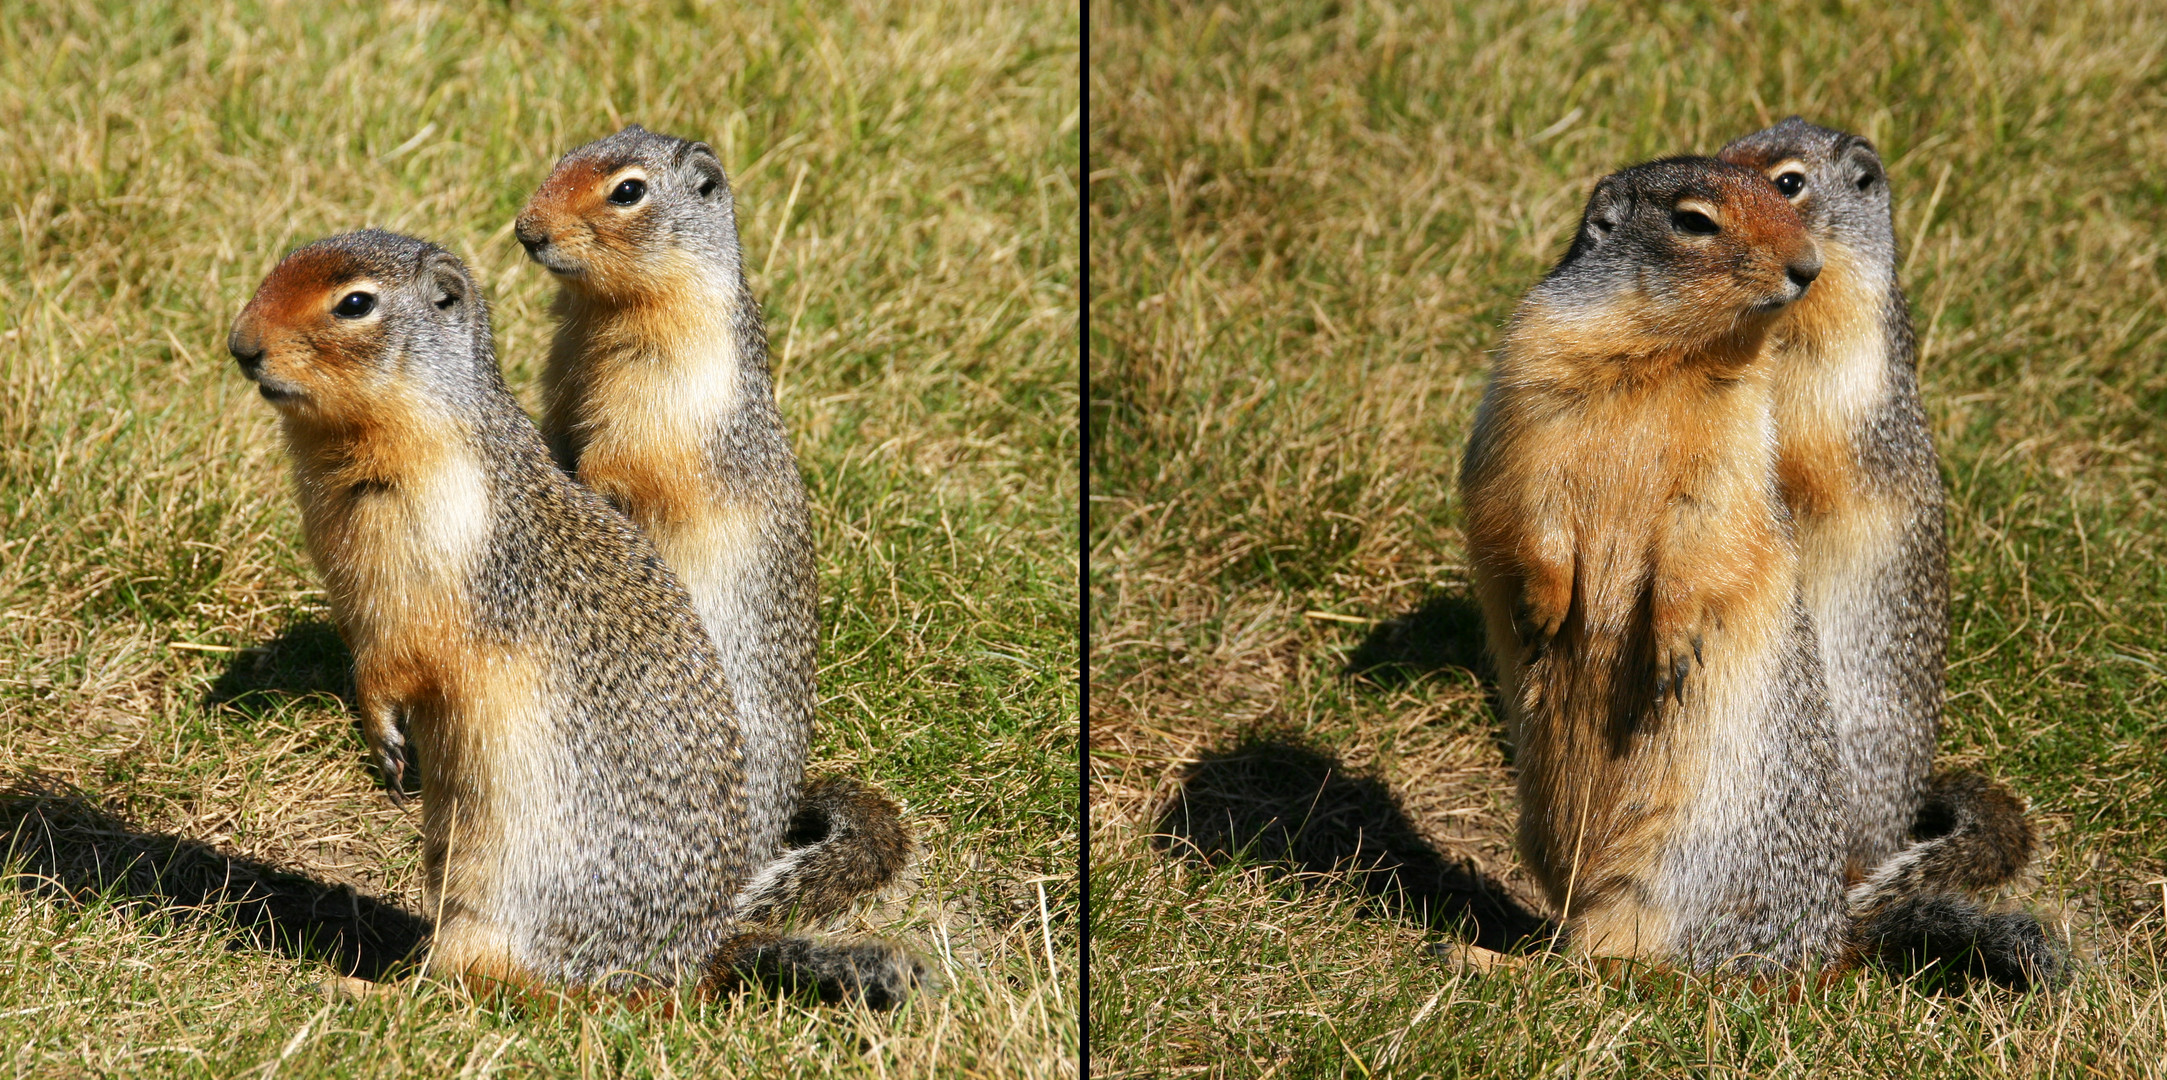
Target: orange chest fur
{"points": [[644, 416]]}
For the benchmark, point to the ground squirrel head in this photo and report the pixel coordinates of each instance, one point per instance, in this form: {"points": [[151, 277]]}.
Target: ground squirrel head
{"points": [[1835, 180], [1678, 253], [344, 325], [622, 215]]}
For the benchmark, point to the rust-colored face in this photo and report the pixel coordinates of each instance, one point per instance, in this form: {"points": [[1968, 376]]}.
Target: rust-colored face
{"points": [[1743, 247], [313, 336], [1701, 250], [590, 222]]}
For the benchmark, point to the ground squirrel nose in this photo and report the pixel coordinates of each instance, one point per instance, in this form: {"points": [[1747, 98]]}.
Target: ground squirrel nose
{"points": [[1803, 271], [530, 235], [247, 350]]}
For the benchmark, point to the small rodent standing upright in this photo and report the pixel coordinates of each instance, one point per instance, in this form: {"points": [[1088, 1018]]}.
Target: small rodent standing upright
{"points": [[1680, 791], [1858, 469], [658, 395], [585, 811], [1636, 575]]}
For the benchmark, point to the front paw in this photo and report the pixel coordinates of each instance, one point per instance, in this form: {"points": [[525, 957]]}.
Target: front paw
{"points": [[1678, 654], [1538, 616], [388, 747]]}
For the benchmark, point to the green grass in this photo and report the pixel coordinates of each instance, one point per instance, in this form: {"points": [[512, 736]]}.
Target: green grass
{"points": [[907, 180], [1309, 221]]}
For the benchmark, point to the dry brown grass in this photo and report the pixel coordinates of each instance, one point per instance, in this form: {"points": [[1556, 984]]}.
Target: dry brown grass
{"points": [[907, 182], [1309, 222]]}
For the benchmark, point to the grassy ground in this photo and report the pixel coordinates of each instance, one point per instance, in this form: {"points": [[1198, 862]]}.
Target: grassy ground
{"points": [[182, 781], [1309, 220]]}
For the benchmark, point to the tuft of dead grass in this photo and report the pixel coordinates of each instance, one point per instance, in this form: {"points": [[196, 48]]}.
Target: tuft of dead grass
{"points": [[1310, 220], [182, 789]]}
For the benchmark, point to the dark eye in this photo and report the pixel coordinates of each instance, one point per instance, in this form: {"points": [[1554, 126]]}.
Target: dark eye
{"points": [[1866, 181], [1791, 183], [1695, 222], [355, 305], [628, 192]]}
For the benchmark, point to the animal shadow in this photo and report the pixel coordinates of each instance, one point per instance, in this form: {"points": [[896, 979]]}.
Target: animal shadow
{"points": [[1444, 634], [1300, 812], [305, 659], [62, 845]]}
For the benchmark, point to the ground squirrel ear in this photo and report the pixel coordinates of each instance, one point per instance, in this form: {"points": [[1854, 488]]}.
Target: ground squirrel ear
{"points": [[1862, 167], [444, 281], [702, 169], [1608, 208]]}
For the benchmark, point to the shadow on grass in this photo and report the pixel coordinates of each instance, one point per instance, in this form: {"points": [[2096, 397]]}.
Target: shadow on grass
{"points": [[1286, 807], [304, 660], [60, 844], [1444, 634], [307, 659]]}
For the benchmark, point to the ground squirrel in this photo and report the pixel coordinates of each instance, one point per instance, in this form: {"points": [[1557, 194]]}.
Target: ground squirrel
{"points": [[658, 395], [1858, 469], [1680, 793], [585, 808]]}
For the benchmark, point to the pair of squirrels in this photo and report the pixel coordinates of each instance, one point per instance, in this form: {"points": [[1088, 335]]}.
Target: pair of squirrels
{"points": [[1705, 522], [598, 636]]}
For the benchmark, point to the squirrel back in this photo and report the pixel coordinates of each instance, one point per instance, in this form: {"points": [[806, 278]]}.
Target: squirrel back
{"points": [[585, 811], [658, 395], [1857, 465]]}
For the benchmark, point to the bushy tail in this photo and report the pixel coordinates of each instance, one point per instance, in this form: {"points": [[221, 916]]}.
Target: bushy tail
{"points": [[1926, 903], [880, 973], [845, 841]]}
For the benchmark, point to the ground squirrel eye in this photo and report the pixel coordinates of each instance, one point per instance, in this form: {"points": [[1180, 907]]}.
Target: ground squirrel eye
{"points": [[628, 192], [1695, 222], [1866, 182], [1791, 183], [354, 305]]}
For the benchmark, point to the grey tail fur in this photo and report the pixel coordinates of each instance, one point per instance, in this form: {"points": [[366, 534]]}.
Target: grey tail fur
{"points": [[879, 973], [845, 841], [1926, 904]]}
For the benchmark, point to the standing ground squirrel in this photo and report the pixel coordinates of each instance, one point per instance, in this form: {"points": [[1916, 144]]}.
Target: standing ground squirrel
{"points": [[585, 810], [1680, 790], [662, 400], [1858, 469], [658, 395]]}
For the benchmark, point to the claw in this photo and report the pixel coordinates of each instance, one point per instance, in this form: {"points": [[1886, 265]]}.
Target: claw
{"points": [[393, 766], [1679, 668]]}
